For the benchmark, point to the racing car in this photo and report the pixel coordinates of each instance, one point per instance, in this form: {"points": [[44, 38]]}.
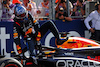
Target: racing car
{"points": [[74, 52]]}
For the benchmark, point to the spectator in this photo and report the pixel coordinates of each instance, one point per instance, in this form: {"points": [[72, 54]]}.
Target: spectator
{"points": [[79, 8], [43, 9], [61, 11], [70, 5], [95, 17], [34, 8], [7, 10], [30, 6]]}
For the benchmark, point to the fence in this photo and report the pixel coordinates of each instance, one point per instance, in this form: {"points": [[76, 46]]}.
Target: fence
{"points": [[52, 6]]}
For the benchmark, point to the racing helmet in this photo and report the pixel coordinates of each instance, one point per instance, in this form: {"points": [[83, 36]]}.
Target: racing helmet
{"points": [[20, 12]]}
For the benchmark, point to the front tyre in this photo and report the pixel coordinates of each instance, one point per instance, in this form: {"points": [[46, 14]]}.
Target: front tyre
{"points": [[9, 62]]}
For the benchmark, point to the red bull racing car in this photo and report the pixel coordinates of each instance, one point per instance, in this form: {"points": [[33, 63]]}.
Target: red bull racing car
{"points": [[74, 52]]}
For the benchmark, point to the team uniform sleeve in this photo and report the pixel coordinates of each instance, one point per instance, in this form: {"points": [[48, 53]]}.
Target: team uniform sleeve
{"points": [[16, 34], [35, 24], [86, 21]]}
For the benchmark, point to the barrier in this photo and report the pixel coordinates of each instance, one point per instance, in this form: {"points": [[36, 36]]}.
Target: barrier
{"points": [[75, 28]]}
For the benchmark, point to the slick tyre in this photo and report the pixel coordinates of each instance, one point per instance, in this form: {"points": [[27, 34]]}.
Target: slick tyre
{"points": [[9, 62]]}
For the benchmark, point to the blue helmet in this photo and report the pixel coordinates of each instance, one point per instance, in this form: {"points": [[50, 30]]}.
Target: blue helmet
{"points": [[20, 12]]}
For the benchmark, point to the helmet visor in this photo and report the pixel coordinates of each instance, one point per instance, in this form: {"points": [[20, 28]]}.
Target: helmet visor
{"points": [[22, 15]]}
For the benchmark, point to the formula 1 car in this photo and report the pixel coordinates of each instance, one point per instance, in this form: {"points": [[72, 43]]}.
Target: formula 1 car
{"points": [[74, 52]]}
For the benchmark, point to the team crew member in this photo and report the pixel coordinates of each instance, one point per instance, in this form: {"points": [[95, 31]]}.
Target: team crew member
{"points": [[95, 17], [25, 25]]}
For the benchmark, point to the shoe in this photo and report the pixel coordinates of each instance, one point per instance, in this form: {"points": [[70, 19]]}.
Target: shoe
{"points": [[34, 60]]}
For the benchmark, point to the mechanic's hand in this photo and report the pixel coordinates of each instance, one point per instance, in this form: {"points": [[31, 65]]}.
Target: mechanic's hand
{"points": [[92, 30]]}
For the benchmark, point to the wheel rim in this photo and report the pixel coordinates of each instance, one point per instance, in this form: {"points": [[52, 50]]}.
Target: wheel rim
{"points": [[11, 65]]}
